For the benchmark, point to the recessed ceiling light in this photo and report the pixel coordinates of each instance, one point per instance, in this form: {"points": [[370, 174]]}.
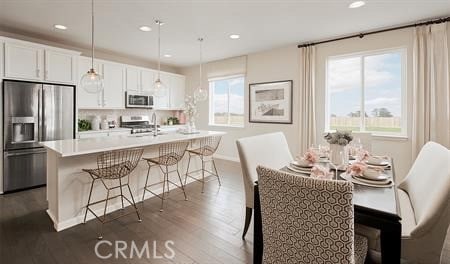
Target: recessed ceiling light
{"points": [[167, 55], [62, 27], [356, 4], [145, 28], [234, 36]]}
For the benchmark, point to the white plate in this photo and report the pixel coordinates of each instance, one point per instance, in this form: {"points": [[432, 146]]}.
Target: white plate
{"points": [[369, 183], [299, 170], [295, 163]]}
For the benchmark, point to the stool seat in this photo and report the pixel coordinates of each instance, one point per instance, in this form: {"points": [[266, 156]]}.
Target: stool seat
{"points": [[111, 172], [206, 151], [169, 159]]}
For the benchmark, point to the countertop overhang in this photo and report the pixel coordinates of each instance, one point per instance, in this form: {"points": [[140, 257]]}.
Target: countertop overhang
{"points": [[76, 147]]}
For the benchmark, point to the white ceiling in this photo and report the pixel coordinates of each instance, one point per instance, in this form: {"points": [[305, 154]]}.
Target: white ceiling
{"points": [[262, 24]]}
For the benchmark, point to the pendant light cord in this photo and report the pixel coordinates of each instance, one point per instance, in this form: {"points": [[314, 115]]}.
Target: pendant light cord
{"points": [[92, 33], [201, 61], [159, 49]]}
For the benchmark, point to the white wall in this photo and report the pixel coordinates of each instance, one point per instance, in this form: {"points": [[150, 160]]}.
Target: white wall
{"points": [[283, 64]]}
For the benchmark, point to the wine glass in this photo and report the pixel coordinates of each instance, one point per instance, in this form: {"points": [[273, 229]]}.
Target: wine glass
{"points": [[339, 163]]}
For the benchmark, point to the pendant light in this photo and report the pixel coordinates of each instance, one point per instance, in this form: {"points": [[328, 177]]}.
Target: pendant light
{"points": [[92, 82], [159, 87], [200, 94]]}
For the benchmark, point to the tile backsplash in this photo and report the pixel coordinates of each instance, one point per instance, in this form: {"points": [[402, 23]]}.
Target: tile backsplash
{"points": [[114, 114]]}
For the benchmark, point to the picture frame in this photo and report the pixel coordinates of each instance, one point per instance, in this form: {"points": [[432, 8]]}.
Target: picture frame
{"points": [[271, 102]]}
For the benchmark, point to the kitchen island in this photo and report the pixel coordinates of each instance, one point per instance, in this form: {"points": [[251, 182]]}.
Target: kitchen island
{"points": [[68, 186]]}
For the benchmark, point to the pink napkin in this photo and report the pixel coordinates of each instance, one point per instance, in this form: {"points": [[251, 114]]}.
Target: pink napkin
{"points": [[357, 168], [321, 172]]}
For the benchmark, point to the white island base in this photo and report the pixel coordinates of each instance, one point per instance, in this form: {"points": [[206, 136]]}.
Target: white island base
{"points": [[68, 186]]}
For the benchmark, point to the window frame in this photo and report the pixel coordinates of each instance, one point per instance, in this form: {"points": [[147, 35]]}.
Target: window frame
{"points": [[362, 126], [211, 87]]}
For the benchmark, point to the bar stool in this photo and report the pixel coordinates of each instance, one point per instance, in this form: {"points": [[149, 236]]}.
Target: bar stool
{"points": [[207, 148], [170, 154], [112, 166]]}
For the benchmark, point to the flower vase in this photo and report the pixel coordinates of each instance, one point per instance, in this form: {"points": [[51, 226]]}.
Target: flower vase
{"points": [[191, 124], [335, 154]]}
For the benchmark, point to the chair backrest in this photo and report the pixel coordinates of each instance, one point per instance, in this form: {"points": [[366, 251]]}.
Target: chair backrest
{"points": [[365, 138], [209, 145], [119, 163], [305, 220], [270, 150], [428, 186], [172, 153]]}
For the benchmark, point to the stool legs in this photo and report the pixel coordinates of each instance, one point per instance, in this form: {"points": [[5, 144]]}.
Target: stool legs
{"points": [[203, 170], [89, 200]]}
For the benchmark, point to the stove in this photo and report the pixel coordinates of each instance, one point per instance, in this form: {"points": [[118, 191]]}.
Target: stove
{"points": [[138, 124]]}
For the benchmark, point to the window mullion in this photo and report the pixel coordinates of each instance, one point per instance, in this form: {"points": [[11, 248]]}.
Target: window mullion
{"points": [[229, 116], [363, 108]]}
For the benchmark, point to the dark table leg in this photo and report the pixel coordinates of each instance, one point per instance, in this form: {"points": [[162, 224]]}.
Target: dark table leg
{"points": [[257, 232], [390, 239]]}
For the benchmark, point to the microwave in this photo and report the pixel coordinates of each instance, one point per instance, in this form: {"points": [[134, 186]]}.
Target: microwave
{"points": [[138, 100]]}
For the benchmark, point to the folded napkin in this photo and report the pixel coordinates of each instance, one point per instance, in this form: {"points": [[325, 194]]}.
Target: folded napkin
{"points": [[321, 172]]}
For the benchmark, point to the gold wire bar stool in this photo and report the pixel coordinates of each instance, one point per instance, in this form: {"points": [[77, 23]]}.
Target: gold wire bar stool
{"points": [[207, 148], [113, 166], [170, 154]]}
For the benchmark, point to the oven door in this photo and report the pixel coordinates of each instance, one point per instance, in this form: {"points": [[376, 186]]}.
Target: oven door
{"points": [[138, 101]]}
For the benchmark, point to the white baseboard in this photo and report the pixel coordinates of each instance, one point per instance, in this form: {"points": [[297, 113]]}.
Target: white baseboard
{"points": [[59, 226], [228, 158]]}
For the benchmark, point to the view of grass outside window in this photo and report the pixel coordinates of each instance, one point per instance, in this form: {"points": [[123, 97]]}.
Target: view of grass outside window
{"points": [[372, 84], [226, 101]]}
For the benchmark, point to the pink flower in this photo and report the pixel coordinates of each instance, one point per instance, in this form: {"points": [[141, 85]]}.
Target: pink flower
{"points": [[357, 168], [363, 155], [321, 172], [310, 156]]}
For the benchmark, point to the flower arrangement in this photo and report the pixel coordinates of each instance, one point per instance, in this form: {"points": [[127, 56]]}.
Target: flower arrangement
{"points": [[362, 155], [357, 168], [190, 108], [342, 138], [310, 156], [321, 172]]}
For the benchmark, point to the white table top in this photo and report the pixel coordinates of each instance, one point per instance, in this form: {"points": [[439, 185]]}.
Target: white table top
{"points": [[75, 147]]}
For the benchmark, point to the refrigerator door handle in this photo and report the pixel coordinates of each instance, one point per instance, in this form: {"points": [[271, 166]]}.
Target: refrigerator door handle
{"points": [[40, 114]]}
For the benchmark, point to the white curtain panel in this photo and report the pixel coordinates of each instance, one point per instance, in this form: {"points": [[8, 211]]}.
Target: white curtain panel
{"points": [[431, 87], [307, 115]]}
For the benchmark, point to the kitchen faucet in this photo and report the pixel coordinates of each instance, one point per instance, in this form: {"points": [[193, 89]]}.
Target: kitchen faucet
{"points": [[155, 126]]}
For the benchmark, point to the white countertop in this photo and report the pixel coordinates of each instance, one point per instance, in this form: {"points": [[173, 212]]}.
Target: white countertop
{"points": [[75, 147]]}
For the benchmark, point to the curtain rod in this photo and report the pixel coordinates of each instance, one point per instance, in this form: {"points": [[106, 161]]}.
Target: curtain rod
{"points": [[361, 35]]}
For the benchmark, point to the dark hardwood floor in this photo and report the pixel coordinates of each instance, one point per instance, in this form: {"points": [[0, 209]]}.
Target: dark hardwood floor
{"points": [[205, 229]]}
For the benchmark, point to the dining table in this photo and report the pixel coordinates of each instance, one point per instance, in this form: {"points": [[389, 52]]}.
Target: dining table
{"points": [[373, 206]]}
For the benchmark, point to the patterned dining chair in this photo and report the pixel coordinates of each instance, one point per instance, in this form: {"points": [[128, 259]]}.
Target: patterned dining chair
{"points": [[270, 150], [307, 220]]}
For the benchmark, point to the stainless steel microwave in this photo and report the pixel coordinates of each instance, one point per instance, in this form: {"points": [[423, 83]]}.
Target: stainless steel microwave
{"points": [[138, 100]]}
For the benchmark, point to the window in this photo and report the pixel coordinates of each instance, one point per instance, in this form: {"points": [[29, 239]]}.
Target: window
{"points": [[370, 83], [226, 101]]}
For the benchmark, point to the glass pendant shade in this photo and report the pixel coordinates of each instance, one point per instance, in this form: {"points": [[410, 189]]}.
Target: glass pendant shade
{"points": [[200, 94], [159, 88], [92, 82]]}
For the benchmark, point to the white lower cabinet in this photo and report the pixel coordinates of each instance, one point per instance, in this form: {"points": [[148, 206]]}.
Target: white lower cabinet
{"points": [[104, 133]]}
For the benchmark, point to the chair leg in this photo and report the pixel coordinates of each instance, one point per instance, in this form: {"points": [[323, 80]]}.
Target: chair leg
{"points": [[215, 169], [248, 218], [100, 234], [187, 170], [181, 184], [89, 200], [146, 182], [203, 175], [121, 193], [166, 178], [134, 203]]}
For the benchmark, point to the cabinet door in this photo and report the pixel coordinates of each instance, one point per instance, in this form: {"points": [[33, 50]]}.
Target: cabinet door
{"points": [[22, 61], [132, 79], [59, 67], [162, 101], [84, 99], [177, 92], [114, 81], [147, 79]]}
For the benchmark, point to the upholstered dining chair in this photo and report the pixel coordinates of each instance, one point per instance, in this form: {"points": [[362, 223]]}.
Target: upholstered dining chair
{"points": [[270, 150], [424, 205], [308, 220]]}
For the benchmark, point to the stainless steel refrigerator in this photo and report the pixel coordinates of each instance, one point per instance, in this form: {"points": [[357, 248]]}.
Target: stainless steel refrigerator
{"points": [[33, 112]]}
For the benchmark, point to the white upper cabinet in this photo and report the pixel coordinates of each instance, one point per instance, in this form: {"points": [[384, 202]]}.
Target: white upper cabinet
{"points": [[133, 79], [177, 92], [60, 67], [114, 83], [84, 99], [23, 61], [147, 79]]}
